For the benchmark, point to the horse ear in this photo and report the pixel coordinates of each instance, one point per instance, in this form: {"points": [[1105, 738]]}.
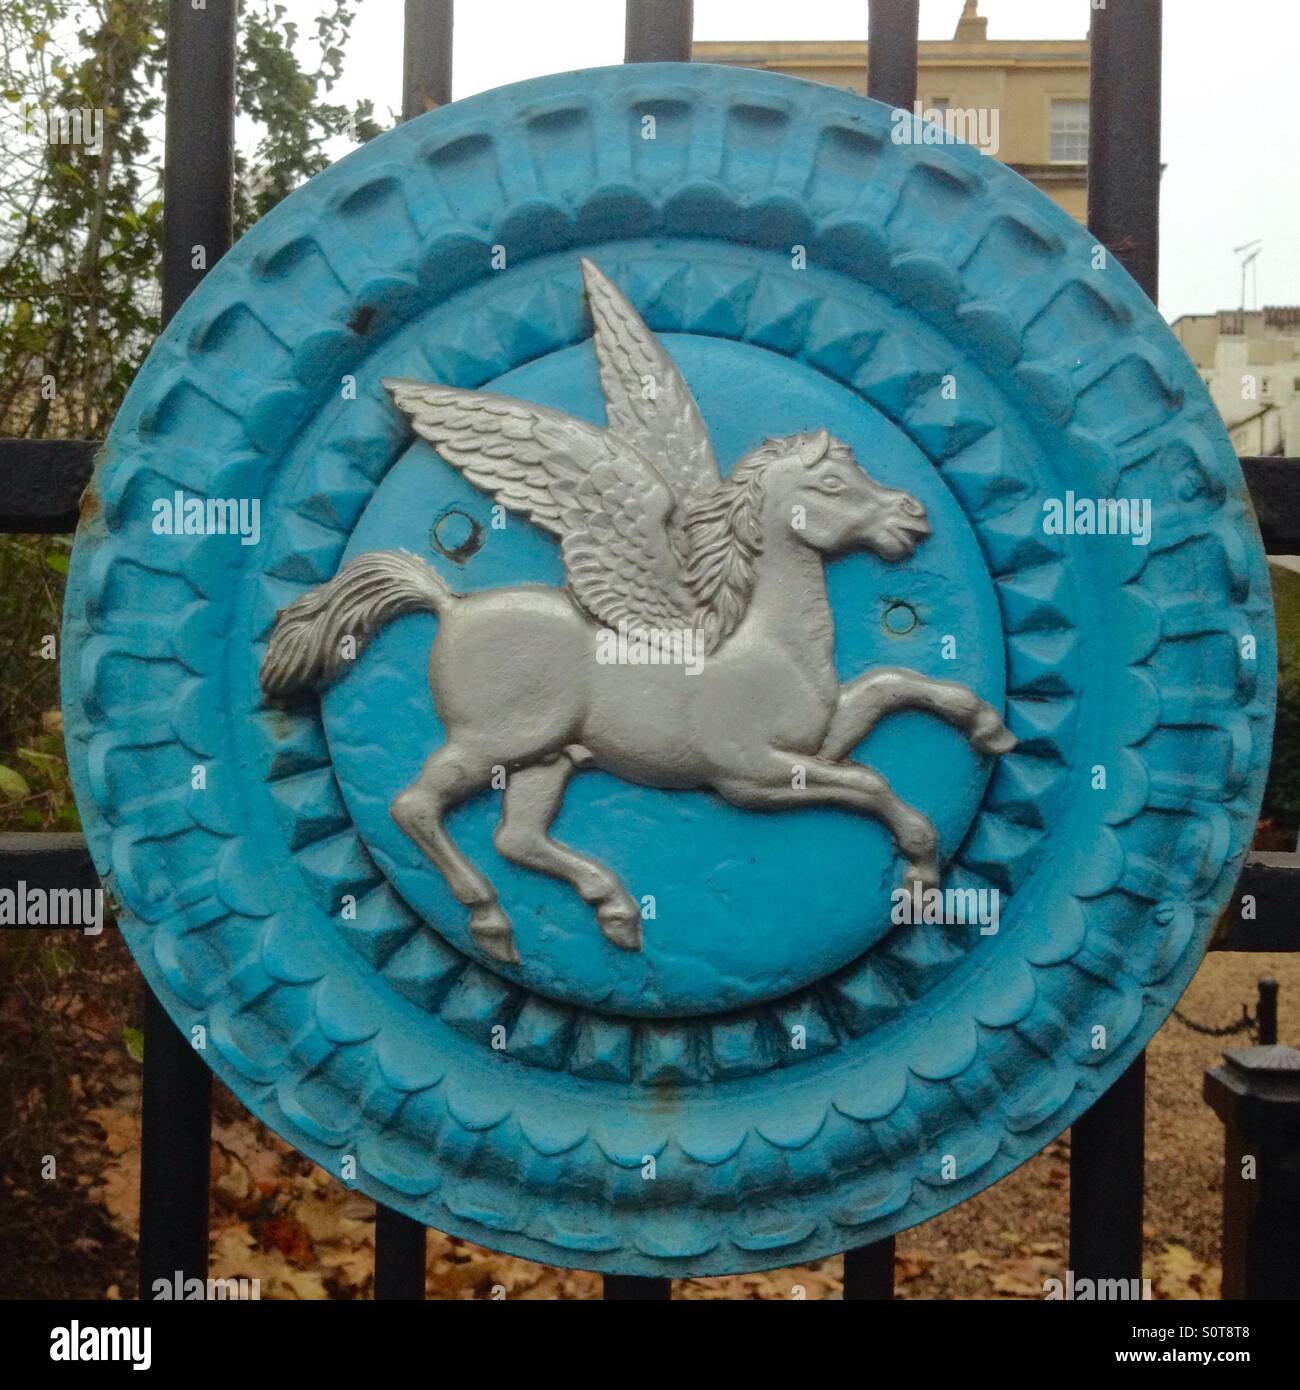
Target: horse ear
{"points": [[814, 448]]}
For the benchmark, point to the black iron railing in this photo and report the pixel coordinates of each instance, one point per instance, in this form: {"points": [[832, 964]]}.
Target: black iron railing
{"points": [[41, 483]]}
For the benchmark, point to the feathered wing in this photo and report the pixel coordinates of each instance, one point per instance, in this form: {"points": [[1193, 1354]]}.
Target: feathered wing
{"points": [[647, 400], [608, 505]]}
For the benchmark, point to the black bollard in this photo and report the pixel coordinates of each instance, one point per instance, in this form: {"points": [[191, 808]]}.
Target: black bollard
{"points": [[1266, 1011], [1256, 1093]]}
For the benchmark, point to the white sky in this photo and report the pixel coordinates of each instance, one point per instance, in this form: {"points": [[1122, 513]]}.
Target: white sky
{"points": [[1231, 101]]}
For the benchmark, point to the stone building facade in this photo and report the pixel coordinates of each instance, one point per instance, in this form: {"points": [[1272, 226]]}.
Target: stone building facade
{"points": [[1250, 360], [1030, 94]]}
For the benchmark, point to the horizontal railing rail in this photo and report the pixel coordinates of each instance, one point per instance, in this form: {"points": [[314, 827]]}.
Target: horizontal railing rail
{"points": [[42, 482], [1261, 917]]}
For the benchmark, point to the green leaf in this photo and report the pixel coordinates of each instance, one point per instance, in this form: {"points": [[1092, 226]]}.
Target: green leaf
{"points": [[58, 563], [43, 762], [57, 960], [133, 1041], [13, 785], [43, 746]]}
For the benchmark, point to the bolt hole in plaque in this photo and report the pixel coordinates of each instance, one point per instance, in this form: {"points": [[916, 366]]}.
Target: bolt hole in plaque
{"points": [[899, 618], [457, 535]]}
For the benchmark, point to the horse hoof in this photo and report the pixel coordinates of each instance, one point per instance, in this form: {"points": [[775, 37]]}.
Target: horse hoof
{"points": [[621, 923], [490, 928], [989, 734]]}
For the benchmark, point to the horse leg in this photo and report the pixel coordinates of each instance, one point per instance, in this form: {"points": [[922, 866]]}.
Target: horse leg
{"points": [[447, 778], [865, 701], [850, 785], [532, 800]]}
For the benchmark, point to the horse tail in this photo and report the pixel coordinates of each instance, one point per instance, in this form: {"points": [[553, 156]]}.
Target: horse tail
{"points": [[326, 628]]}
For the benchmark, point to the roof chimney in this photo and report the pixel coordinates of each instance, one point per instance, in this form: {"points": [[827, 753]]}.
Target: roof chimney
{"points": [[972, 27]]}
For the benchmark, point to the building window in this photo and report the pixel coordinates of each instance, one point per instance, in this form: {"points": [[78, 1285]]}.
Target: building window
{"points": [[937, 112], [1069, 132]]}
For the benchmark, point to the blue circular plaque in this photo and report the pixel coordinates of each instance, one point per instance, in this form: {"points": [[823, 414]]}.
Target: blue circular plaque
{"points": [[671, 676]]}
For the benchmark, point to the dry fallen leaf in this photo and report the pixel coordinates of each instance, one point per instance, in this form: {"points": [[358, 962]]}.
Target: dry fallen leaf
{"points": [[235, 1255], [1176, 1273], [118, 1190], [1024, 1278], [290, 1237], [910, 1264]]}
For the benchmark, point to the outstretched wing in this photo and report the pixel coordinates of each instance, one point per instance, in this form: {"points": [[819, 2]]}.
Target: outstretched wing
{"points": [[649, 405], [608, 505]]}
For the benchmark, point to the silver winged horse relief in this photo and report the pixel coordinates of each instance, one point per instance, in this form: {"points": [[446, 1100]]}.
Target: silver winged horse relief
{"points": [[653, 539]]}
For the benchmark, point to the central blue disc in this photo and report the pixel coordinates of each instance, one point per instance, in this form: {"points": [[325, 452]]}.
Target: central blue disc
{"points": [[738, 906]]}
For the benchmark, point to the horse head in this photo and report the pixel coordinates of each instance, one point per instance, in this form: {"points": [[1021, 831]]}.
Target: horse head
{"points": [[813, 483]]}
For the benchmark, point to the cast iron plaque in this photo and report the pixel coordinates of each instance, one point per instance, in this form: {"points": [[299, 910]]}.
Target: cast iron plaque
{"points": [[668, 675]]}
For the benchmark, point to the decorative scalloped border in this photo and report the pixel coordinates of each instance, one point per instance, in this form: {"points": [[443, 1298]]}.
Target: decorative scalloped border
{"points": [[850, 1149]]}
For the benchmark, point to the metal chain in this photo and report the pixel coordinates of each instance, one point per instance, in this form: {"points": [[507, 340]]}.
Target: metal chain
{"points": [[1246, 1022]]}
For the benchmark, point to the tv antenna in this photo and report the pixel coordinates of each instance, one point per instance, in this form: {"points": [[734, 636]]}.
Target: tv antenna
{"points": [[1249, 252]]}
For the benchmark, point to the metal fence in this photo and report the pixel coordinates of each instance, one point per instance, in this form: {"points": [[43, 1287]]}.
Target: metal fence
{"points": [[41, 482]]}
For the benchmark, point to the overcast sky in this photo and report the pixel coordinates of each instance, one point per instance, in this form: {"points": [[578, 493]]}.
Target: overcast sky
{"points": [[1231, 101]]}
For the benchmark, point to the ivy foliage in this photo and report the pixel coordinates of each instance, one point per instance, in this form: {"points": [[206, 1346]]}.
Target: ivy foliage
{"points": [[81, 151]]}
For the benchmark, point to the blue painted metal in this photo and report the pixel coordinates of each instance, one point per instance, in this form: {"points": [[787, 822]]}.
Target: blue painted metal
{"points": [[805, 1074]]}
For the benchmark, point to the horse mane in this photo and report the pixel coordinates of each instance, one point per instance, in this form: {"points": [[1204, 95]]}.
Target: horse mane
{"points": [[724, 538], [724, 535]]}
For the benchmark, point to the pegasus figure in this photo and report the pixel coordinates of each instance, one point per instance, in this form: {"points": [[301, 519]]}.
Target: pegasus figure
{"points": [[653, 539]]}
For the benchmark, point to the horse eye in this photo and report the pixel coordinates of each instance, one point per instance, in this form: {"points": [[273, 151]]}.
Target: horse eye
{"points": [[832, 484]]}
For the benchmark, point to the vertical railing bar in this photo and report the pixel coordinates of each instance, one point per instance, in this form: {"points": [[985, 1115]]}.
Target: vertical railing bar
{"points": [[891, 78], [400, 1243], [1106, 1181], [426, 56], [891, 51], [658, 31], [198, 173], [1124, 136], [1108, 1143], [627, 1288], [175, 1154], [869, 1272], [198, 153]]}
